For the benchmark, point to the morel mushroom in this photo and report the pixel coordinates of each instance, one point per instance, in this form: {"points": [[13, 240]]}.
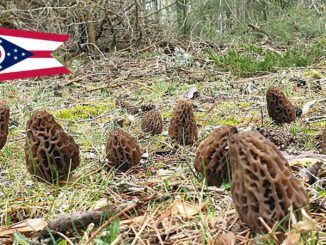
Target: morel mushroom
{"points": [[262, 181], [50, 153], [212, 158], [152, 122], [279, 107], [183, 126], [122, 150], [4, 122], [323, 146]]}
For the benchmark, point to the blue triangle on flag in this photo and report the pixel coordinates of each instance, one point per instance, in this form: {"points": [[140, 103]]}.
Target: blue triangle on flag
{"points": [[11, 54]]}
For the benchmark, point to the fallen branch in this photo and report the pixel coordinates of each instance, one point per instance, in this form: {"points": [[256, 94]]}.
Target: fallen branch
{"points": [[78, 220], [81, 220]]}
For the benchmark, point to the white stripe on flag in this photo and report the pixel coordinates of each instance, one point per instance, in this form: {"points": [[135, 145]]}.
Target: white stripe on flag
{"points": [[32, 44], [33, 64]]}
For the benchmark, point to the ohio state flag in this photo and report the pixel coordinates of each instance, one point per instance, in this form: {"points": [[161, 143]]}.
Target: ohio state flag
{"points": [[25, 54]]}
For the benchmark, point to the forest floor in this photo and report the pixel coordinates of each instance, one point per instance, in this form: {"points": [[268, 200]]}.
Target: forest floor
{"points": [[167, 203]]}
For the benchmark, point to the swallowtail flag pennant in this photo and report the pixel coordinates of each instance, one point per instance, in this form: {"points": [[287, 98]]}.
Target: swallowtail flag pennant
{"points": [[25, 54]]}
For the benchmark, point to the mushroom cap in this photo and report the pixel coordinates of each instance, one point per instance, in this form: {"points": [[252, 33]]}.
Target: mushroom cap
{"points": [[279, 108], [152, 122], [212, 157], [50, 153], [183, 126], [4, 123], [122, 150], [262, 181]]}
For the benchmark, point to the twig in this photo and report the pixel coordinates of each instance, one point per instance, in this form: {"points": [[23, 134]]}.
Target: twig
{"points": [[117, 240], [135, 232], [157, 232], [63, 236], [270, 230], [106, 223], [140, 231], [144, 225], [77, 79]]}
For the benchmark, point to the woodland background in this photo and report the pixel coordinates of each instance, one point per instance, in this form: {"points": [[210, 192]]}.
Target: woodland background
{"points": [[114, 25]]}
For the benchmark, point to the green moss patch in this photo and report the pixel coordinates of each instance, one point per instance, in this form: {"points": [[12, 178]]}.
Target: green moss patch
{"points": [[80, 112], [252, 59]]}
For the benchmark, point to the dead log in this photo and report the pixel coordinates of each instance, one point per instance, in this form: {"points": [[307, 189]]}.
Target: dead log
{"points": [[80, 220]]}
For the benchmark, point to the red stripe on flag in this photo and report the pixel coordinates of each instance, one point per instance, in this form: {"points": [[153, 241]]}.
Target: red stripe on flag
{"points": [[34, 35], [34, 73], [41, 54]]}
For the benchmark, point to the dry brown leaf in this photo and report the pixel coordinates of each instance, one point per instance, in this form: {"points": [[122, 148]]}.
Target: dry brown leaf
{"points": [[306, 224], [29, 225], [184, 209], [306, 107], [216, 220], [292, 238], [101, 203], [191, 93], [226, 239], [135, 220]]}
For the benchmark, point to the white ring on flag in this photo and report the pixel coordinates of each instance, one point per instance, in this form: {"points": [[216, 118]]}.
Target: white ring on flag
{"points": [[2, 54]]}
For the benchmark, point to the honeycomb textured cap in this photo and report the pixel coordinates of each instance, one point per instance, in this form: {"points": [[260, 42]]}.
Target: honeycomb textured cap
{"points": [[279, 107], [152, 122], [122, 150], [262, 181], [183, 126], [324, 142], [50, 153], [4, 122], [212, 158]]}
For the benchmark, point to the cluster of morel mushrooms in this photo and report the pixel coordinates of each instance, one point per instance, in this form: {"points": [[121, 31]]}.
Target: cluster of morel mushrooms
{"points": [[263, 185]]}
